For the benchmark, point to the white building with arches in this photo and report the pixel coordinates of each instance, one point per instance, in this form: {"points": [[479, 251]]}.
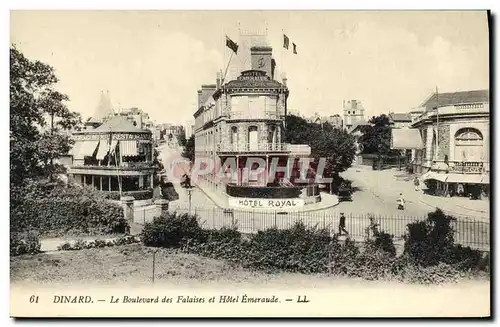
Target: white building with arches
{"points": [[454, 129]]}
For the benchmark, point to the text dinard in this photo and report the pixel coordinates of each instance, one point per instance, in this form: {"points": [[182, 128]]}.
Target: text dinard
{"points": [[195, 299]]}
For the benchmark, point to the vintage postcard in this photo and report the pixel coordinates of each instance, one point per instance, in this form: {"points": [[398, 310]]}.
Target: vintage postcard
{"points": [[250, 163]]}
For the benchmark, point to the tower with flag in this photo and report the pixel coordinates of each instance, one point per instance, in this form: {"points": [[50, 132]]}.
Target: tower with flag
{"points": [[241, 117]]}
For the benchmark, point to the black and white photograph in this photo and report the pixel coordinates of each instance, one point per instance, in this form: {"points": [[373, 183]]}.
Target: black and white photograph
{"points": [[250, 163]]}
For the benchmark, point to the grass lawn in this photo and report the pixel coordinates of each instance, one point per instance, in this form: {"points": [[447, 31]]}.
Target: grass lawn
{"points": [[132, 264]]}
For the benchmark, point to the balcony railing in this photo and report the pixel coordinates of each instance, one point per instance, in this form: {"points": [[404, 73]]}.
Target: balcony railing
{"points": [[257, 147], [123, 165], [254, 115], [464, 108]]}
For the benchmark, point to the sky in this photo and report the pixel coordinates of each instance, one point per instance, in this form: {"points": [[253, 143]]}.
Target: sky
{"points": [[157, 60]]}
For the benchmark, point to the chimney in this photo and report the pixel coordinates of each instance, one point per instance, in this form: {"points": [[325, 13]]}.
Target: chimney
{"points": [[261, 59], [199, 99], [207, 91], [219, 80]]}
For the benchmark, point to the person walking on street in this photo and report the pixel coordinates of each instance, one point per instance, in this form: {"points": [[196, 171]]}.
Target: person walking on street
{"points": [[401, 201], [342, 225], [416, 182]]}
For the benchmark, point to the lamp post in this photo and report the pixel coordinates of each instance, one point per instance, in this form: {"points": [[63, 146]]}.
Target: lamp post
{"points": [[189, 191]]}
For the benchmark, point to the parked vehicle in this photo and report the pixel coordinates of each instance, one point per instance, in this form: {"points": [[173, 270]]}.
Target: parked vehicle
{"points": [[345, 194]]}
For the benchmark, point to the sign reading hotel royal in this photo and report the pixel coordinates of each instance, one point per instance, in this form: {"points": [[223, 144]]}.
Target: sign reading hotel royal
{"points": [[266, 203]]}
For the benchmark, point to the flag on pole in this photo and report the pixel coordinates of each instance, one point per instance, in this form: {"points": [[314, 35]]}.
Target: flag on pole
{"points": [[231, 45], [294, 48], [286, 41]]}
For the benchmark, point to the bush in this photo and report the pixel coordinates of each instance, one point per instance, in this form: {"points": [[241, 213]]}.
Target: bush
{"points": [[171, 230], [24, 243], [431, 242], [55, 208], [297, 249]]}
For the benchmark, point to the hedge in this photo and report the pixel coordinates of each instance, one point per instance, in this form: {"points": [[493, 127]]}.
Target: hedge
{"points": [[310, 250], [61, 209]]}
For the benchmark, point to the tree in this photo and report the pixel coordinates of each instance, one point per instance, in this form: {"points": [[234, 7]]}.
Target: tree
{"points": [[33, 101], [326, 141], [181, 137], [376, 137], [188, 152]]}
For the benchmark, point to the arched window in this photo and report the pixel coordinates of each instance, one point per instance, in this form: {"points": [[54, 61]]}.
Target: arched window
{"points": [[469, 145], [234, 136], [272, 137], [468, 136], [253, 140]]}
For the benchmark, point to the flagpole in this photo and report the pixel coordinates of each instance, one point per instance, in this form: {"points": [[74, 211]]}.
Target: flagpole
{"points": [[227, 67], [437, 123]]}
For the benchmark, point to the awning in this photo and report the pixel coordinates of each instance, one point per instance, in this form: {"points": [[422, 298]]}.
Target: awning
{"points": [[128, 148], [405, 139], [428, 175], [485, 179], [103, 150], [464, 178], [435, 176], [457, 178], [75, 151], [112, 147], [88, 148]]}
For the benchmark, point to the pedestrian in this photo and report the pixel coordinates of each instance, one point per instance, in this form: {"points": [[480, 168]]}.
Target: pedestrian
{"points": [[401, 201], [416, 182], [342, 225]]}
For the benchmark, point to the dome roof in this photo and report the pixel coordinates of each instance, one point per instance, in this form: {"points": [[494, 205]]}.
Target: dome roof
{"points": [[118, 124], [254, 79]]}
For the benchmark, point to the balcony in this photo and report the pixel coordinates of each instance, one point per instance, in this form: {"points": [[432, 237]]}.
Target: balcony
{"points": [[127, 168], [458, 109], [253, 115], [258, 147]]}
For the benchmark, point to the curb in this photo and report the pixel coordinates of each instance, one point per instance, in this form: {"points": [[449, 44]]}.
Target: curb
{"points": [[221, 207]]}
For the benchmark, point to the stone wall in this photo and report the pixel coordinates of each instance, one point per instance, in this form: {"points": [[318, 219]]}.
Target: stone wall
{"points": [[444, 140]]}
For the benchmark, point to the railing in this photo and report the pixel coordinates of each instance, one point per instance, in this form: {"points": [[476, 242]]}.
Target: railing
{"points": [[257, 147], [123, 165], [467, 231], [479, 107], [254, 115]]}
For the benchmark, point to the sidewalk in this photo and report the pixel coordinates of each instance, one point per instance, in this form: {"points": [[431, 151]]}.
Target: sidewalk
{"points": [[384, 183]]}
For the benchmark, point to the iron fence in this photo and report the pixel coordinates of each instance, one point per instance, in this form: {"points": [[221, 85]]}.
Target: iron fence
{"points": [[467, 231]]}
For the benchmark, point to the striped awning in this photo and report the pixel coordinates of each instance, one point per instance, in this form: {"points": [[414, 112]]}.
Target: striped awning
{"points": [[406, 139], [88, 148], [103, 150], [75, 151], [128, 148], [112, 147]]}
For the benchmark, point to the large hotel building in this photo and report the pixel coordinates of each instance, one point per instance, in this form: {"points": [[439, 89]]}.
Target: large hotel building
{"points": [[244, 118]]}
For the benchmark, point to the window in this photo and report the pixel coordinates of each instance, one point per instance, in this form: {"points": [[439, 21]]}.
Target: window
{"points": [[469, 136], [234, 135], [253, 141]]}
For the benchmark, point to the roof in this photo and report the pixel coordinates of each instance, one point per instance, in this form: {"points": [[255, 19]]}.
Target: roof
{"points": [[354, 127], [119, 124], [400, 117], [255, 79], [454, 98]]}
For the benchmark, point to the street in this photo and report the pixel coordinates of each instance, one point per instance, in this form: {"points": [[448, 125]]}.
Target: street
{"points": [[374, 195]]}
